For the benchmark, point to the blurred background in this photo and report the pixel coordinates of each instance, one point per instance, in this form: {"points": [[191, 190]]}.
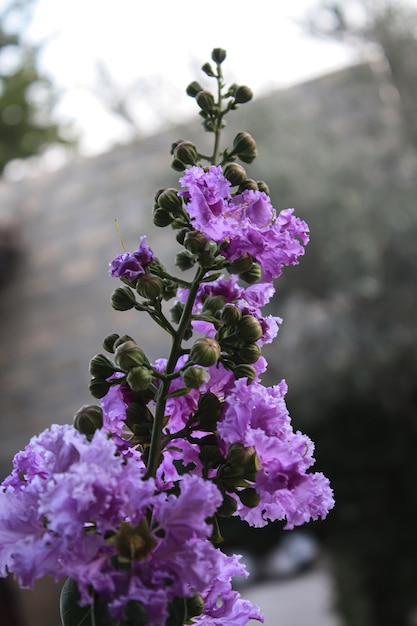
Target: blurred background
{"points": [[91, 97]]}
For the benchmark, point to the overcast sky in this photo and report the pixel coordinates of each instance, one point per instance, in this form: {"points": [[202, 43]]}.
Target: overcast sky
{"points": [[153, 50]]}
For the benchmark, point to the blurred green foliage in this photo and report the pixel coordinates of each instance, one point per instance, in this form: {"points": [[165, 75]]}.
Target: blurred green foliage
{"points": [[27, 97]]}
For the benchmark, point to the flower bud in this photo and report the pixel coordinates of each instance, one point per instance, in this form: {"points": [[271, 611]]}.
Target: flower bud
{"points": [[194, 377], [169, 200], [249, 353], [101, 367], [242, 264], [249, 497], [231, 315], [149, 286], [195, 606], [98, 387], [123, 299], [207, 69], [161, 218], [243, 94], [118, 342], [205, 101], [218, 55], [185, 260], [207, 257], [187, 153], [128, 355], [139, 378], [234, 173], [205, 351], [262, 186], [108, 342], [245, 371], [195, 241], [244, 147], [209, 411], [249, 183], [88, 419], [249, 329], [178, 165], [193, 89], [213, 304], [253, 275]]}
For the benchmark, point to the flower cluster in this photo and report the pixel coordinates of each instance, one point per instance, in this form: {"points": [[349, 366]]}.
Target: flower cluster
{"points": [[128, 502]]}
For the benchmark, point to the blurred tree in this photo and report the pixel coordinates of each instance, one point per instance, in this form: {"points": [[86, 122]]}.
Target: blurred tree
{"points": [[389, 25], [27, 98]]}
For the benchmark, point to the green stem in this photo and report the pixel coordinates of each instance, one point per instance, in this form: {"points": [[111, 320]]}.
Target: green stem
{"points": [[217, 131], [161, 397]]}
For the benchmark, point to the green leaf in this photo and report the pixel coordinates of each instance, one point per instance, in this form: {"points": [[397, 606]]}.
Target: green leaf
{"points": [[72, 614]]}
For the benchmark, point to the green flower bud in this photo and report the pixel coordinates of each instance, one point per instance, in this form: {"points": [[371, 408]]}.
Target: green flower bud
{"points": [[194, 377], [207, 69], [245, 371], [249, 497], [209, 411], [249, 329], [234, 173], [262, 186], [205, 101], [149, 286], [98, 387], [207, 257], [243, 94], [88, 419], [185, 260], [161, 218], [210, 455], [129, 355], [253, 275], [178, 165], [187, 153], [249, 183], [180, 236], [218, 55], [242, 264], [123, 299], [195, 241], [118, 342], [139, 378], [249, 353], [193, 89], [170, 200], [228, 506], [205, 351], [244, 147], [108, 342], [101, 367], [195, 606], [231, 315], [243, 459], [213, 304]]}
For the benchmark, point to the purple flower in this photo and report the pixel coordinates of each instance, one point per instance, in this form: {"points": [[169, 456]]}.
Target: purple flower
{"points": [[130, 265], [257, 417], [247, 222]]}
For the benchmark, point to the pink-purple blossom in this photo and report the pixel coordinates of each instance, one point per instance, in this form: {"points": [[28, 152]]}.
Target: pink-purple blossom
{"points": [[246, 222], [131, 265]]}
